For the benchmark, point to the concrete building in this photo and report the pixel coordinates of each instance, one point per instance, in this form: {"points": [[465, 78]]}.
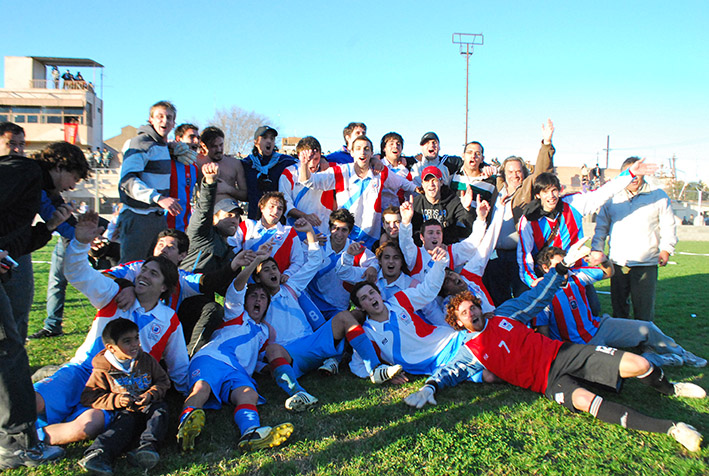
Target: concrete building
{"points": [[53, 110]]}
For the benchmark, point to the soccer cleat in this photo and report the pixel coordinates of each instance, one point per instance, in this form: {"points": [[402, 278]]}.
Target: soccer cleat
{"points": [[686, 435], [669, 360], [385, 372], [144, 457], [300, 401], [265, 437], [44, 333], [189, 429], [693, 360], [330, 367], [689, 390], [96, 463], [38, 454]]}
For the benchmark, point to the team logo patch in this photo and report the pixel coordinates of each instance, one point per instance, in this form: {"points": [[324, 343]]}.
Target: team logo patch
{"points": [[156, 328], [506, 325], [196, 373], [606, 350], [573, 305], [559, 398], [485, 357]]}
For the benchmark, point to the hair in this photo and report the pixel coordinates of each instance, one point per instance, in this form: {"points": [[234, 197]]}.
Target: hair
{"points": [[391, 210], [269, 195], [363, 138], [514, 158], [116, 329], [544, 181], [544, 257], [183, 128], [628, 162], [453, 304], [166, 105], [6, 127], [183, 241], [482, 149], [209, 134], [260, 265], [430, 222], [65, 156], [308, 143], [253, 287], [392, 244], [387, 138], [343, 215], [347, 131], [169, 272], [357, 287]]}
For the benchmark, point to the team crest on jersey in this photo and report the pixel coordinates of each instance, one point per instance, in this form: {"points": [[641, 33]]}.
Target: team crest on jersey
{"points": [[606, 349], [278, 238], [485, 357], [404, 317], [559, 398], [506, 325], [196, 373], [155, 329], [573, 305]]}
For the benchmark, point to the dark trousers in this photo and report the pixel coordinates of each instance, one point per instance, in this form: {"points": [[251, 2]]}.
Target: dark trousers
{"points": [[149, 426], [200, 316], [17, 400], [501, 277], [637, 284], [138, 233]]}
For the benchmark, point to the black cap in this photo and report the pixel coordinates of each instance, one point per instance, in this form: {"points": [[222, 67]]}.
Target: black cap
{"points": [[427, 137], [261, 131]]}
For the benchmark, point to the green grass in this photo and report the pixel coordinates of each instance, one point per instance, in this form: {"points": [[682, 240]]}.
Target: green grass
{"points": [[359, 429]]}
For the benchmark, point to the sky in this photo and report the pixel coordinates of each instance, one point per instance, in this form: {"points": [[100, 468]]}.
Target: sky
{"points": [[635, 71]]}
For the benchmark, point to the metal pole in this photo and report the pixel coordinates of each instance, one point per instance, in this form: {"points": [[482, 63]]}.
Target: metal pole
{"points": [[608, 148], [467, 89], [469, 40]]}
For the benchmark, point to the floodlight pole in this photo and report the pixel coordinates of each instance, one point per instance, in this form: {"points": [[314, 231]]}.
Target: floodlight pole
{"points": [[466, 41]]}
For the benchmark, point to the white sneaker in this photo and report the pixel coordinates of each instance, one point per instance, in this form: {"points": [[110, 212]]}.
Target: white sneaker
{"points": [[689, 390], [693, 360], [265, 437], [385, 372], [300, 401], [686, 435], [330, 367]]}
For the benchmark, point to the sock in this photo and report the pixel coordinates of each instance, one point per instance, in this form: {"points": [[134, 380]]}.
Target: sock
{"points": [[246, 418], [285, 376], [185, 411], [361, 343], [626, 417], [655, 378]]}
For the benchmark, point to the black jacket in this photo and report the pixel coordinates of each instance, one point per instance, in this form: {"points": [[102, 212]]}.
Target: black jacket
{"points": [[457, 222]]}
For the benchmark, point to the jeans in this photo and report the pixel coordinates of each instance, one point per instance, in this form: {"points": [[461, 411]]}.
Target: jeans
{"points": [[637, 285], [56, 289], [20, 291], [138, 233]]}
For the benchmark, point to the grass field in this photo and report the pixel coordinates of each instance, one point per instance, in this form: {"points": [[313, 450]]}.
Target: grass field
{"points": [[359, 429]]}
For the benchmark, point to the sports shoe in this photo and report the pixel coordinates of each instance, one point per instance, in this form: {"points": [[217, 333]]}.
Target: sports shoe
{"points": [[96, 463], [693, 360], [689, 390], [669, 360], [385, 372], [300, 401], [143, 457], [44, 333], [686, 435], [265, 437], [330, 367], [189, 429], [38, 454]]}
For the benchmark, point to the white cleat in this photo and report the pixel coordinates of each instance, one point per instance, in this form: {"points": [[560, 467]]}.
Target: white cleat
{"points": [[686, 435], [385, 372], [265, 437], [330, 367], [689, 390], [300, 401]]}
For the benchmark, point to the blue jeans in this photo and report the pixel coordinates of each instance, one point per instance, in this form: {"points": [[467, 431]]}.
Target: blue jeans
{"points": [[56, 289]]}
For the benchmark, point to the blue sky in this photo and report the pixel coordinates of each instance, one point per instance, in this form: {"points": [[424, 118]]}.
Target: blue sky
{"points": [[637, 71]]}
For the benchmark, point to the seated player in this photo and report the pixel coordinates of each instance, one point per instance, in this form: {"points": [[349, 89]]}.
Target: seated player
{"points": [[501, 343], [570, 319], [221, 371], [133, 384], [161, 336], [301, 347], [286, 247]]}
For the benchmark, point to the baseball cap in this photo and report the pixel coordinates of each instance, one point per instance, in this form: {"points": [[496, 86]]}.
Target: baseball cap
{"points": [[263, 130], [228, 205], [428, 136], [432, 170]]}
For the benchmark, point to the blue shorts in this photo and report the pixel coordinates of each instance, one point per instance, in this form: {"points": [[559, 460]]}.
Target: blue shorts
{"points": [[221, 377], [309, 352], [61, 393]]}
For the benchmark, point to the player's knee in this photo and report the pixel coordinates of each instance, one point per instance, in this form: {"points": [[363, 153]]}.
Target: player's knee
{"points": [[201, 388], [489, 377], [39, 402], [632, 365], [275, 351], [581, 399], [89, 425]]}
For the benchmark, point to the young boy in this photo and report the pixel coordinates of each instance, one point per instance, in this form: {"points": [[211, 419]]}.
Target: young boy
{"points": [[126, 379], [221, 371]]}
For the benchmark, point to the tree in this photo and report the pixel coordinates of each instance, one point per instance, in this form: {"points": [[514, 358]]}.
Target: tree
{"points": [[239, 126]]}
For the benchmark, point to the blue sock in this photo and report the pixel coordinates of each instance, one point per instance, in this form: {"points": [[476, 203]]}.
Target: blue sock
{"points": [[246, 418], [361, 343], [285, 376]]}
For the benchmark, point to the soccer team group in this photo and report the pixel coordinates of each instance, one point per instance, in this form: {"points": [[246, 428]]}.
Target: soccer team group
{"points": [[431, 265]]}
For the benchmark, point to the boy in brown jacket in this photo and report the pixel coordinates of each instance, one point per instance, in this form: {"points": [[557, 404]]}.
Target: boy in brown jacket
{"points": [[132, 383]]}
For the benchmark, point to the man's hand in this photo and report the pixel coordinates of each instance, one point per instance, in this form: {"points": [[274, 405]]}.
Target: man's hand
{"points": [[125, 298], [547, 131], [284, 278], [370, 275], [407, 211], [124, 400], [210, 170], [641, 168], [60, 215], [87, 228], [242, 258], [312, 219], [439, 253], [171, 205], [376, 165], [322, 239], [355, 248], [467, 198], [144, 399], [489, 170], [422, 397], [664, 258], [302, 225], [399, 379], [182, 153], [577, 251], [482, 208], [596, 257]]}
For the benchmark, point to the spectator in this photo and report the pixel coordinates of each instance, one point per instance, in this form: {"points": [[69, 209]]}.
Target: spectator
{"points": [[107, 157], [232, 181], [352, 131], [430, 156], [68, 80], [55, 77], [184, 174]]}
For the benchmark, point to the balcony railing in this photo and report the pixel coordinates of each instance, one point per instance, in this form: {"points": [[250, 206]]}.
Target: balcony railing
{"points": [[61, 84]]}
